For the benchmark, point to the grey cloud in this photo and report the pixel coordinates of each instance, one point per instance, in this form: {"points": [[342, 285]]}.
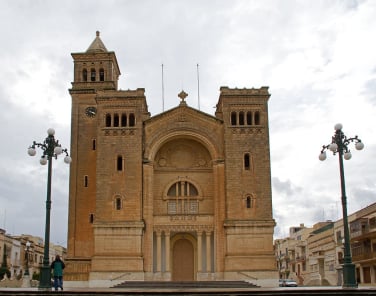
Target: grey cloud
{"points": [[285, 187]]}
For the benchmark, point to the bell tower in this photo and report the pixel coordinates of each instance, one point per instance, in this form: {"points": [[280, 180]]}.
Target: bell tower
{"points": [[95, 70]]}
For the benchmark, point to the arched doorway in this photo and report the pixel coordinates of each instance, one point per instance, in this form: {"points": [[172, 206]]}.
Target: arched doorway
{"points": [[183, 260]]}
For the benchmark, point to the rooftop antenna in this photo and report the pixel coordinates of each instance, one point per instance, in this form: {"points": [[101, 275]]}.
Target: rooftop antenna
{"points": [[198, 88], [162, 91]]}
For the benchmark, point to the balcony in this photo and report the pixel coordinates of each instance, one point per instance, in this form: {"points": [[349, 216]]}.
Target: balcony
{"points": [[363, 256], [300, 258]]}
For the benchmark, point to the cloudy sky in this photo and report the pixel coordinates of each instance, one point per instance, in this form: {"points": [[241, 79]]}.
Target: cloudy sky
{"points": [[317, 57]]}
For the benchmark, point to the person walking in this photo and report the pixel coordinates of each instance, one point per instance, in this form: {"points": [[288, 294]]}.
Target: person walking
{"points": [[58, 266]]}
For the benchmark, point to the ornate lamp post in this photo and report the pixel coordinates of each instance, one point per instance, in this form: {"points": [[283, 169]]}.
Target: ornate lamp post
{"points": [[339, 145], [27, 250], [26, 277], [51, 149]]}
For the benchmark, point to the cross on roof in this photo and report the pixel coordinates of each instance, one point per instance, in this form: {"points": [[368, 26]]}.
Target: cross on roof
{"points": [[182, 95]]}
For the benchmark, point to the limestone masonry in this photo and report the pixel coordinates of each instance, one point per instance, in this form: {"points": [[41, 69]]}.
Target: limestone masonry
{"points": [[179, 196]]}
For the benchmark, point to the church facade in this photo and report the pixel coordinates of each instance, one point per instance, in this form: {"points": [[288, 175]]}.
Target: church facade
{"points": [[179, 196]]}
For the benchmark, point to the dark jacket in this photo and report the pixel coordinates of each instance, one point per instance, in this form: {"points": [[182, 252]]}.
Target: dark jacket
{"points": [[58, 266]]}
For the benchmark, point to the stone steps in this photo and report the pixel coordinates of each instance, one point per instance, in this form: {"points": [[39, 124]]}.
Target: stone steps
{"points": [[311, 291], [185, 284]]}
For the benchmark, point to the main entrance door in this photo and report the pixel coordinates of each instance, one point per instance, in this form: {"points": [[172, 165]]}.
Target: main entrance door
{"points": [[183, 261]]}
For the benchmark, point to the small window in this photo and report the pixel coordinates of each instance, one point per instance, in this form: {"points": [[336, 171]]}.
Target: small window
{"points": [[108, 120], [92, 75], [257, 118], [119, 163], [101, 74], [94, 144], [86, 181], [91, 218], [249, 118], [118, 204], [250, 202], [233, 118], [123, 119], [241, 118], [247, 162], [84, 75], [116, 120], [131, 120]]}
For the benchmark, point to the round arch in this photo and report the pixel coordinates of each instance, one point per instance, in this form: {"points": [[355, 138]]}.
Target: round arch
{"points": [[178, 241], [184, 179], [154, 147]]}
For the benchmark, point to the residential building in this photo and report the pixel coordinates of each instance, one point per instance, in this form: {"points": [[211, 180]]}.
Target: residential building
{"points": [[363, 244], [14, 252], [339, 246], [321, 256], [316, 258], [291, 254]]}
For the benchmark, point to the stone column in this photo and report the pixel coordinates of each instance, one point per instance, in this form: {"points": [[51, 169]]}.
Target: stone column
{"points": [[167, 242], [159, 250], [208, 252], [199, 251], [148, 217]]}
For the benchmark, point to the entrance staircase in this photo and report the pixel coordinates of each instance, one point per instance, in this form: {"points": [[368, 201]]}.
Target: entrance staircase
{"points": [[186, 285]]}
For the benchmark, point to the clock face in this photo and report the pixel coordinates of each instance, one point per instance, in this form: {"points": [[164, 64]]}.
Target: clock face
{"points": [[91, 111]]}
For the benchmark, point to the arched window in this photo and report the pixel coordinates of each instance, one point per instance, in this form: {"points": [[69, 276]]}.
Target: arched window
{"points": [[118, 203], [247, 161], [257, 118], [86, 181], [116, 120], [182, 198], [119, 163], [249, 118], [94, 144], [131, 120], [91, 218], [92, 75], [241, 118], [250, 202], [108, 120], [123, 119], [101, 74], [182, 189], [233, 118], [84, 75]]}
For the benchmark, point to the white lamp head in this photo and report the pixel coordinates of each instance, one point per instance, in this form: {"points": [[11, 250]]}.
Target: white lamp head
{"points": [[58, 150], [50, 131], [347, 155], [333, 147], [338, 126], [43, 160], [67, 159], [359, 146], [322, 156], [31, 151]]}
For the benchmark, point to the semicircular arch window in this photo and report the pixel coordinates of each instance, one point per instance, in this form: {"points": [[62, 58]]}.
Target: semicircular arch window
{"points": [[182, 198]]}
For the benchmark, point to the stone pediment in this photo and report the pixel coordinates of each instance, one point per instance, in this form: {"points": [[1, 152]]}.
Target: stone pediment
{"points": [[183, 122], [181, 114]]}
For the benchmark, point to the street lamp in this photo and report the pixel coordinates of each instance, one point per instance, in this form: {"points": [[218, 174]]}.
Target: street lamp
{"points": [[27, 249], [51, 149], [339, 145], [26, 277]]}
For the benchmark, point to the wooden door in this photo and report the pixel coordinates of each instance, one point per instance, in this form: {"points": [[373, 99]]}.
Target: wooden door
{"points": [[183, 261]]}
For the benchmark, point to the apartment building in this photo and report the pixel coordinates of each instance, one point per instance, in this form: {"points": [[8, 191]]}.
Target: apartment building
{"points": [[291, 254], [14, 254], [363, 244], [314, 256]]}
